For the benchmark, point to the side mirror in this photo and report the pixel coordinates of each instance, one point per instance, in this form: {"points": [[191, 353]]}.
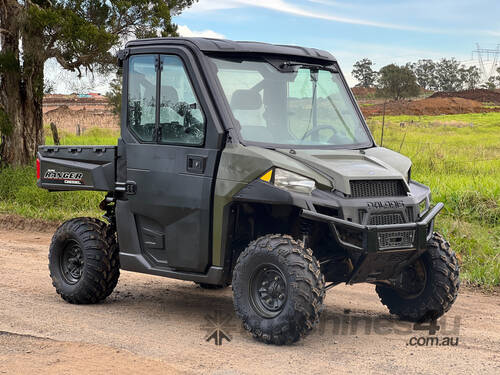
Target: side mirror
{"points": [[122, 55]]}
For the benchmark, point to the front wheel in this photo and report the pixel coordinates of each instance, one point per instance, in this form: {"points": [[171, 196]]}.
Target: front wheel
{"points": [[426, 289], [84, 261], [278, 289]]}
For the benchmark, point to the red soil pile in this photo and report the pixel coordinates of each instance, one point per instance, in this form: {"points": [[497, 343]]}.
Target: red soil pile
{"points": [[362, 92], [480, 95], [430, 106]]}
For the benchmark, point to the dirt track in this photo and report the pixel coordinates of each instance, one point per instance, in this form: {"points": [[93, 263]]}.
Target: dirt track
{"points": [[155, 325]]}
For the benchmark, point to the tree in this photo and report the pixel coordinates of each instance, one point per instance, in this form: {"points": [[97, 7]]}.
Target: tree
{"points": [[425, 71], [470, 77], [364, 73], [115, 94], [48, 86], [448, 75], [81, 35], [397, 82], [490, 83]]}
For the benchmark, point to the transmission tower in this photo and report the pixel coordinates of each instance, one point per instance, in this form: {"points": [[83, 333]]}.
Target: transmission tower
{"points": [[487, 54]]}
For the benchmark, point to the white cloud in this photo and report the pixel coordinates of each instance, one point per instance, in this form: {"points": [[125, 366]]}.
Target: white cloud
{"points": [[210, 5], [286, 7], [492, 32], [187, 32]]}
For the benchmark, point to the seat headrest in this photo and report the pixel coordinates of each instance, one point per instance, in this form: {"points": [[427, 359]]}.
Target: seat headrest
{"points": [[169, 95], [246, 100]]}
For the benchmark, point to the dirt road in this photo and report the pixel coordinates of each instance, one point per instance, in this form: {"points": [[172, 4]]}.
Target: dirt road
{"points": [[156, 325]]}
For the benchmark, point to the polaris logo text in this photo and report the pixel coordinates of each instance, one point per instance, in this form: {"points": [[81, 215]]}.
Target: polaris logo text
{"points": [[386, 204], [66, 177]]}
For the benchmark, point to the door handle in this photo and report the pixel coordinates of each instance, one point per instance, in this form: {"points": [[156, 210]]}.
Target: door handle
{"points": [[196, 163]]}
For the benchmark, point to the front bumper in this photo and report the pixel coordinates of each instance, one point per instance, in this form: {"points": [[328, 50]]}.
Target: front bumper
{"points": [[374, 237], [381, 251]]}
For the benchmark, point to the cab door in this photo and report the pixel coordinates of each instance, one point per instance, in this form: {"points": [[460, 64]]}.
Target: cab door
{"points": [[171, 147]]}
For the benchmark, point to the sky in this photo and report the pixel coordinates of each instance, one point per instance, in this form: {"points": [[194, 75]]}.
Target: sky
{"points": [[385, 31]]}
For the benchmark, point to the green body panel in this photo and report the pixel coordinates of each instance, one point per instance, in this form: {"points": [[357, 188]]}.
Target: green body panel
{"points": [[344, 165], [240, 165]]}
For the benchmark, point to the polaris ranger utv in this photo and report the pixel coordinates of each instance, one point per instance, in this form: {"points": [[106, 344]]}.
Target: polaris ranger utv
{"points": [[248, 164]]}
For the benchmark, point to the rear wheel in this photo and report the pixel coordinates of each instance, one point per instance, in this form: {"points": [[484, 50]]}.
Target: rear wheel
{"points": [[278, 289], [83, 260], [426, 289]]}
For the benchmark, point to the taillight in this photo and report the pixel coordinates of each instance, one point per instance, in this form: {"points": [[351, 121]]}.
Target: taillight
{"points": [[37, 169]]}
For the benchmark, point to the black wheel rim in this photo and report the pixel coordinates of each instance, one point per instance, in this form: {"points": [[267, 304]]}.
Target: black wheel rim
{"points": [[268, 290], [72, 262], [413, 280]]}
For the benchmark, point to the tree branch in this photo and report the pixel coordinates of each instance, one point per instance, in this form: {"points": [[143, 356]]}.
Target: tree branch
{"points": [[5, 31]]}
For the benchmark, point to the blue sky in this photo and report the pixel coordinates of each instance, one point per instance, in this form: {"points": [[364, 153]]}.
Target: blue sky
{"points": [[385, 31]]}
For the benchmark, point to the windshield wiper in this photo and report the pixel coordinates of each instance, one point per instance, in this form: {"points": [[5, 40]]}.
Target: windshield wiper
{"points": [[288, 65]]}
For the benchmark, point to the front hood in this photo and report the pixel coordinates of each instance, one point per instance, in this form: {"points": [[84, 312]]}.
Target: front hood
{"points": [[341, 166]]}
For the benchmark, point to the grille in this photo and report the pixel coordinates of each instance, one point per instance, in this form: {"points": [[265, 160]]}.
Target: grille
{"points": [[398, 239], [386, 219], [377, 188]]}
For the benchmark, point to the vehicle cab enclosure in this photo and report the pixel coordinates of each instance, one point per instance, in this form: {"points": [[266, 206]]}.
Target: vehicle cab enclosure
{"points": [[223, 142]]}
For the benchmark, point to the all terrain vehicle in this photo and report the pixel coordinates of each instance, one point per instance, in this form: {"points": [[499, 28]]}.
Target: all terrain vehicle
{"points": [[248, 164]]}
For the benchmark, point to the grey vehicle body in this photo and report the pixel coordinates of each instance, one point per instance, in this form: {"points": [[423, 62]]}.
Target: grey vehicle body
{"points": [[188, 209], [147, 179]]}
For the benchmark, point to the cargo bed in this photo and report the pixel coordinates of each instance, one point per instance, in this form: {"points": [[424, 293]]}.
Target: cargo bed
{"points": [[77, 167]]}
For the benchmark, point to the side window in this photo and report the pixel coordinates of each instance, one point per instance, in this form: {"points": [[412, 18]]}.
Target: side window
{"points": [[142, 96], [181, 118]]}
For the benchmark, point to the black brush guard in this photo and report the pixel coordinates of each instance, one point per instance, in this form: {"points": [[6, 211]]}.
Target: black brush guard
{"points": [[382, 251]]}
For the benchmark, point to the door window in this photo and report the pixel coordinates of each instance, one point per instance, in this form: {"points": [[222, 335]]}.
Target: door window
{"points": [[142, 96], [181, 118]]}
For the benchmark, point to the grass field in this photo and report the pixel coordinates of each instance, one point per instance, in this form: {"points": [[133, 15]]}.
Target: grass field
{"points": [[458, 156]]}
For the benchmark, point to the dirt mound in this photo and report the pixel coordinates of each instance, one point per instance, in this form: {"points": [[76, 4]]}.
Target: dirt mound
{"points": [[429, 106], [481, 95], [361, 92], [68, 118], [15, 222]]}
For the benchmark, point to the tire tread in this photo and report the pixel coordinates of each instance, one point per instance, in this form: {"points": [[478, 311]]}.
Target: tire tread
{"points": [[308, 287], [101, 254], [442, 293]]}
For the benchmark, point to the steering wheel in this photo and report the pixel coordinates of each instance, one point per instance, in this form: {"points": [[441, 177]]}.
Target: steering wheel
{"points": [[316, 130]]}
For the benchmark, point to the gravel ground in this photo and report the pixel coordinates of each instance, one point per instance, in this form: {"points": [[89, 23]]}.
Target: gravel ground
{"points": [[156, 325]]}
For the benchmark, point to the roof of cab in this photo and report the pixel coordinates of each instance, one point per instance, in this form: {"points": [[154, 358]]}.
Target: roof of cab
{"points": [[230, 46]]}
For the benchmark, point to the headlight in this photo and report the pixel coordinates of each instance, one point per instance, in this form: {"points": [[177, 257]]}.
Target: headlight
{"points": [[293, 182]]}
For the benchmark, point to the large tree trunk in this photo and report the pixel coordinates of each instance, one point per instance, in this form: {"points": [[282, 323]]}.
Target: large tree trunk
{"points": [[21, 89]]}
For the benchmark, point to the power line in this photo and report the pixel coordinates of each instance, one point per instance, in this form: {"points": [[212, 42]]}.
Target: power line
{"points": [[485, 54]]}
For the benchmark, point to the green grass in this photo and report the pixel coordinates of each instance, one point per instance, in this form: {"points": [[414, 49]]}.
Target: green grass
{"points": [[458, 156], [94, 136], [19, 194]]}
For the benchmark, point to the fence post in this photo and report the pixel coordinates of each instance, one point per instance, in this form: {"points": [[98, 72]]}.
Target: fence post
{"points": [[78, 130], [383, 125], [55, 134]]}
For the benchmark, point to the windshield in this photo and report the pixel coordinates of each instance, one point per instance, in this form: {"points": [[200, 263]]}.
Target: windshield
{"points": [[290, 104]]}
